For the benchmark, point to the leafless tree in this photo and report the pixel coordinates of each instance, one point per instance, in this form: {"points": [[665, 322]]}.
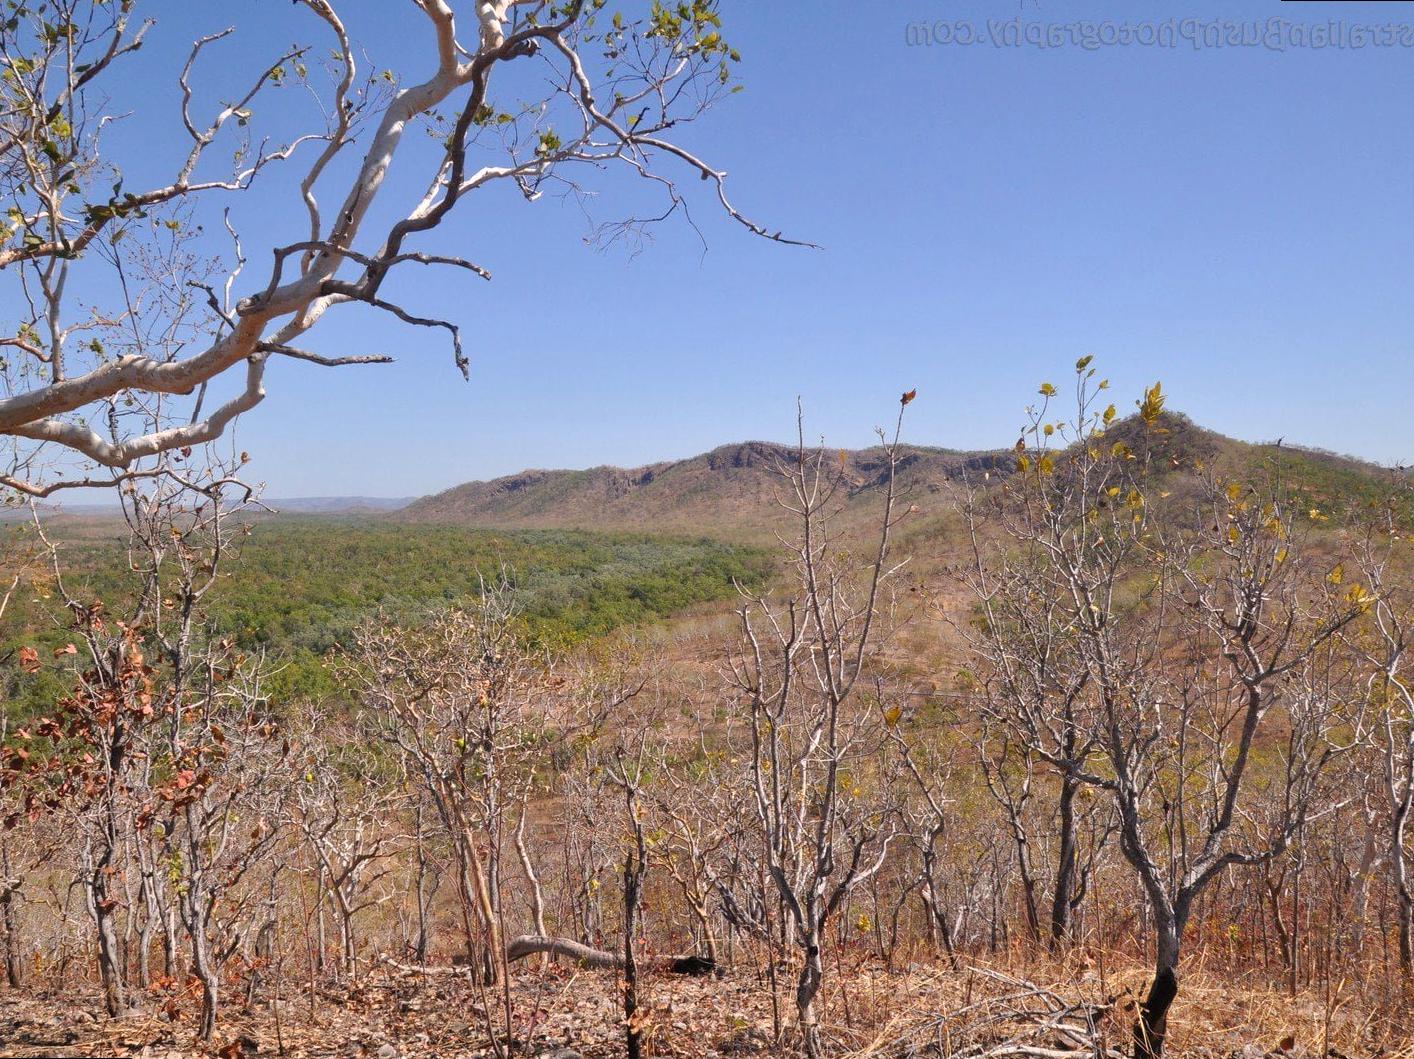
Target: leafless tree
{"points": [[452, 692], [1385, 642], [1194, 629], [1030, 691], [810, 727], [347, 803]]}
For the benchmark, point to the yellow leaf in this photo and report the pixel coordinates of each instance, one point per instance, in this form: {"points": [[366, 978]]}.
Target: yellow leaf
{"points": [[1337, 574], [891, 715], [1083, 363], [1109, 415], [1047, 390], [1233, 534], [1152, 404]]}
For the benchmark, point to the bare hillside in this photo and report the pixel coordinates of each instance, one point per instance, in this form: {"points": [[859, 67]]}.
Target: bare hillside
{"points": [[731, 487]]}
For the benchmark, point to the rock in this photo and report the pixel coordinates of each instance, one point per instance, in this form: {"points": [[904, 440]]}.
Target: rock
{"points": [[387, 1051], [559, 1053]]}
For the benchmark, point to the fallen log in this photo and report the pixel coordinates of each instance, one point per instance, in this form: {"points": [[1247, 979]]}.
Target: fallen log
{"points": [[599, 959], [582, 955]]}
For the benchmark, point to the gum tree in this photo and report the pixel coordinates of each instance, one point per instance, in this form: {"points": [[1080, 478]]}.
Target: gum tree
{"points": [[536, 95]]}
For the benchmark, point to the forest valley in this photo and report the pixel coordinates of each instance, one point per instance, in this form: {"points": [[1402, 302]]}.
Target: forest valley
{"points": [[1148, 791]]}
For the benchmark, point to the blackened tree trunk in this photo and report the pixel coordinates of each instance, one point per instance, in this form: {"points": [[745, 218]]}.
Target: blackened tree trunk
{"points": [[633, 1031], [1062, 899], [1152, 1026]]}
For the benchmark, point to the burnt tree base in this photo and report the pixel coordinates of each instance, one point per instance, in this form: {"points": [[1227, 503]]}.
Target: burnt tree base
{"points": [[1152, 1026]]}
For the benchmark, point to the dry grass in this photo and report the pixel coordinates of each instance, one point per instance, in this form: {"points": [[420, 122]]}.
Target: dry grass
{"points": [[872, 1013], [977, 1010]]}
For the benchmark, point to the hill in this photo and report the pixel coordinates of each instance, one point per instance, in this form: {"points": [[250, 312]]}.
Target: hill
{"points": [[733, 488]]}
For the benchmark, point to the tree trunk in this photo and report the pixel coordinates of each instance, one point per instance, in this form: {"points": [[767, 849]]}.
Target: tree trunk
{"points": [[346, 930], [1152, 1026], [14, 965], [144, 945], [320, 943], [537, 892], [1065, 868], [1274, 892], [1399, 876], [210, 984], [197, 904], [171, 952], [633, 1032], [1028, 879], [812, 972], [1404, 909], [932, 897], [109, 961], [423, 898]]}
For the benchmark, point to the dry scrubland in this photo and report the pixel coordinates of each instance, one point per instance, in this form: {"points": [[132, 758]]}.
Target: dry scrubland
{"points": [[1099, 745], [983, 769]]}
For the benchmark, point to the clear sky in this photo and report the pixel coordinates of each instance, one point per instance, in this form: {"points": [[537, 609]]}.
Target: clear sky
{"points": [[1236, 221]]}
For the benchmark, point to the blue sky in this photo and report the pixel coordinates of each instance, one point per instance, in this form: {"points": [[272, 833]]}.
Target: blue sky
{"points": [[1234, 221]]}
